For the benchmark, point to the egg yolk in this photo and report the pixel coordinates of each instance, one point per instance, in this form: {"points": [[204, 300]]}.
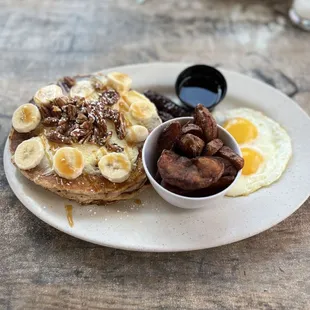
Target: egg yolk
{"points": [[252, 161], [241, 129]]}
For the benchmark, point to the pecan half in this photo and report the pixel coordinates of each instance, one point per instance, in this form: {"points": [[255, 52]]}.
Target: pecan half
{"points": [[113, 147], [44, 110], [109, 97], [62, 128], [56, 111], [120, 127], [69, 81], [71, 111], [86, 138], [101, 122], [55, 136], [81, 118], [50, 121], [78, 132], [61, 101], [86, 125], [64, 119], [102, 140]]}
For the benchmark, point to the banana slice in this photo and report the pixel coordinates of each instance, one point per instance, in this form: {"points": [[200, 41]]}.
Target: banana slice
{"points": [[29, 154], [121, 82], [121, 106], [26, 118], [134, 96], [137, 134], [99, 81], [142, 110], [47, 94], [68, 162], [82, 89], [101, 152], [115, 167]]}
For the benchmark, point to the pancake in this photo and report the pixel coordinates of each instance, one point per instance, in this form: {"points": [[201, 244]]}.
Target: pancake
{"points": [[91, 186]]}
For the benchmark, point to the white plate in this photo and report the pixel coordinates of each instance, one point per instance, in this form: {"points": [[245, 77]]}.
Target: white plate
{"points": [[157, 226]]}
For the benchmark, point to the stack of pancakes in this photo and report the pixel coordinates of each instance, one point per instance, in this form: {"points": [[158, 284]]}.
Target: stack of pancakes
{"points": [[90, 186]]}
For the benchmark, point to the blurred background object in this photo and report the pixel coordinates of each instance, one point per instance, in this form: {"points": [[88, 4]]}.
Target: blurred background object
{"points": [[300, 14]]}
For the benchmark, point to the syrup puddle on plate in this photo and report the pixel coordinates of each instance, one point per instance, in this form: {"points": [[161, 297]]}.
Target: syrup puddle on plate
{"points": [[69, 215], [138, 201]]}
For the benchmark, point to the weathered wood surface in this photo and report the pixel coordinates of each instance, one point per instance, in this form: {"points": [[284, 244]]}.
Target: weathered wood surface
{"points": [[42, 268]]}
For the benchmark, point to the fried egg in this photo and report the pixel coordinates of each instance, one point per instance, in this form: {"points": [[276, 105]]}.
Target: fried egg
{"points": [[265, 145]]}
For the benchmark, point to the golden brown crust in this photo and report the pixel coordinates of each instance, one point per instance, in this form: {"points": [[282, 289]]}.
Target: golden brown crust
{"points": [[212, 147], [190, 145], [168, 137], [204, 119], [227, 153]]}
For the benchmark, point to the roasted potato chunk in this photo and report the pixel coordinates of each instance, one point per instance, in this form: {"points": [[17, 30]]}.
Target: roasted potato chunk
{"points": [[168, 137], [157, 177], [189, 174], [174, 189], [222, 183], [192, 129], [227, 153], [190, 145], [229, 169], [212, 147], [204, 119]]}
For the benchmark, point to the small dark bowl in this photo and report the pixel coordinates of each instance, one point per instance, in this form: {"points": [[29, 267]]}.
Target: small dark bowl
{"points": [[210, 81]]}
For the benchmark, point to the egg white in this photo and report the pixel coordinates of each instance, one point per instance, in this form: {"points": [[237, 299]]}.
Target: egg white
{"points": [[272, 142]]}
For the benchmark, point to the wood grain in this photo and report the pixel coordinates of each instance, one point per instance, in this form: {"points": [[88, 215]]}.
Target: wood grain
{"points": [[42, 268]]}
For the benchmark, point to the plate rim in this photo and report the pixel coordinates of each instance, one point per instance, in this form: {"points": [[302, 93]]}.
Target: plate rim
{"points": [[76, 234]]}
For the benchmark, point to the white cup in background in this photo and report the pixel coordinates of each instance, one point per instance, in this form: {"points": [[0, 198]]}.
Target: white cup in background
{"points": [[300, 14]]}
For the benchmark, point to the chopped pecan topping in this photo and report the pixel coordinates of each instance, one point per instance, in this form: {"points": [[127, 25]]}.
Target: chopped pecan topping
{"points": [[71, 111], [56, 111], [61, 101], [62, 128], [71, 128], [63, 120], [113, 147], [118, 120], [86, 125], [102, 140], [86, 138], [81, 117], [55, 136], [101, 122], [109, 97], [44, 110], [78, 133], [50, 121], [120, 127], [78, 120], [69, 81]]}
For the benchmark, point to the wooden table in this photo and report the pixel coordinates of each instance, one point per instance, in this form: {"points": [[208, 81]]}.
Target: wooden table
{"points": [[42, 268]]}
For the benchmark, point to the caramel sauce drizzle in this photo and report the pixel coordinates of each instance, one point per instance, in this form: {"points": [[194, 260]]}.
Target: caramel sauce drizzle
{"points": [[69, 215], [138, 201], [27, 117]]}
